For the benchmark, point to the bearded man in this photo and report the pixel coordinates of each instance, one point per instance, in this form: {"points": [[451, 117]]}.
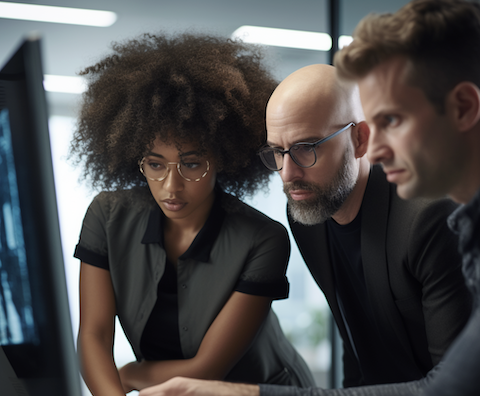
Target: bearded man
{"points": [[389, 268]]}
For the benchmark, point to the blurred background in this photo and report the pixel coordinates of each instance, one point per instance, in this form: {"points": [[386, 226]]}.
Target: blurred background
{"points": [[68, 48]]}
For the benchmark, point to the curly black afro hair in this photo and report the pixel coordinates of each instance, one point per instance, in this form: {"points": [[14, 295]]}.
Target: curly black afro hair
{"points": [[198, 88]]}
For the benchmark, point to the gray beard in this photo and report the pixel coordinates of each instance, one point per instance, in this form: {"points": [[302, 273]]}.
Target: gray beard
{"points": [[327, 200]]}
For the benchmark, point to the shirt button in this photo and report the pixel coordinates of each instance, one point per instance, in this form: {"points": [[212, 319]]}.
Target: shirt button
{"points": [[185, 328], [184, 286]]}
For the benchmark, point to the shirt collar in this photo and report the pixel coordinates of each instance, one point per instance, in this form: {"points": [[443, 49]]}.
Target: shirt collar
{"points": [[463, 220], [202, 244]]}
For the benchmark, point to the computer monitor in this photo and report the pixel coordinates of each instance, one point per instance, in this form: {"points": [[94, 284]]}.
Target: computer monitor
{"points": [[37, 354]]}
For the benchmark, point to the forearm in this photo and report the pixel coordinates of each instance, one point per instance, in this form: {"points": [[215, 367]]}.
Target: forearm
{"points": [[193, 387], [140, 375], [98, 368], [225, 342], [404, 389]]}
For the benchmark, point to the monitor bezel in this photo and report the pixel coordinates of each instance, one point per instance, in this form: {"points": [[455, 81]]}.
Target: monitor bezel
{"points": [[50, 366]]}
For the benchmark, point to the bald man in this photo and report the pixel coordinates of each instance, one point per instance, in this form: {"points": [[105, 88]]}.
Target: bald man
{"points": [[384, 264], [389, 268]]}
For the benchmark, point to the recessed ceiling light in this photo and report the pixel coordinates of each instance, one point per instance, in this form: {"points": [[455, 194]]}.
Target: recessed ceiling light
{"points": [[284, 37], [288, 38], [64, 84], [343, 41], [43, 13]]}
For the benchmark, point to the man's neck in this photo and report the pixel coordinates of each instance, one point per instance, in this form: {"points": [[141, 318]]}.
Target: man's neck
{"points": [[469, 182], [465, 193]]}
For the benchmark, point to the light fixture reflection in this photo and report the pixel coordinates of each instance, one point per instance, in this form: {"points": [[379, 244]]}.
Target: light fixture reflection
{"points": [[343, 41], [284, 37], [43, 13], [288, 38], [64, 84]]}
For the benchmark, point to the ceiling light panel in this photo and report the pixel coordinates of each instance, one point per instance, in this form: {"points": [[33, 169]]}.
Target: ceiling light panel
{"points": [[68, 15]]}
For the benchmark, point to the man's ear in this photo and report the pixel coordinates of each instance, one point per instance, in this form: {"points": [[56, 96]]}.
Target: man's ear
{"points": [[463, 102], [360, 135]]}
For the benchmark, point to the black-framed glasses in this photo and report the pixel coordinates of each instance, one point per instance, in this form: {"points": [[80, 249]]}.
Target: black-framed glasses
{"points": [[302, 153], [156, 169]]}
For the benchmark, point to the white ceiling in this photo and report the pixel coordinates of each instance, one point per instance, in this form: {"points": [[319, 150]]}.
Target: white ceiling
{"points": [[69, 48]]}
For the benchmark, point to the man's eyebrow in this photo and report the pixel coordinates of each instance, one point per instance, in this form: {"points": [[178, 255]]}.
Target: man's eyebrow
{"points": [[271, 144], [382, 112], [311, 139], [380, 115]]}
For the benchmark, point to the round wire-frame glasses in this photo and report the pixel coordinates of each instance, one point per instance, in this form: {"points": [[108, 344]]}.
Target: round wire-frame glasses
{"points": [[167, 169], [302, 153]]}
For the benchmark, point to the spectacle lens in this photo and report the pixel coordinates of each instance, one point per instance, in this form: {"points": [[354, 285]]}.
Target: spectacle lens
{"points": [[190, 169], [303, 154]]}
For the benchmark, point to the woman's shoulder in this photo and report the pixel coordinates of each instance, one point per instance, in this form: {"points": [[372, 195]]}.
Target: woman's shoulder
{"points": [[117, 203]]}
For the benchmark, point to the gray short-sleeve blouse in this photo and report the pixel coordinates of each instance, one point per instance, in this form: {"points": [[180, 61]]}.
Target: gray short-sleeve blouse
{"points": [[239, 249]]}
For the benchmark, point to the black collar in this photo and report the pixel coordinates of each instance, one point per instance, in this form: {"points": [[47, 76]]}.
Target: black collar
{"points": [[202, 244]]}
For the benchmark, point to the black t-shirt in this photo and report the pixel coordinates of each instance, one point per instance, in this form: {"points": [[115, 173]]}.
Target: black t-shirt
{"points": [[160, 339]]}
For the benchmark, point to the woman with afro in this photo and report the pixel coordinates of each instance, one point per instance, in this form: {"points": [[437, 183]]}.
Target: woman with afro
{"points": [[169, 129]]}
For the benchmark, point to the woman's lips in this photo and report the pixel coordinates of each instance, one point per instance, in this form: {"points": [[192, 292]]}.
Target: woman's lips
{"points": [[173, 205]]}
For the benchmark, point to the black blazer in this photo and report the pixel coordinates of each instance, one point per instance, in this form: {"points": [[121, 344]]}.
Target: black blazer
{"points": [[413, 276]]}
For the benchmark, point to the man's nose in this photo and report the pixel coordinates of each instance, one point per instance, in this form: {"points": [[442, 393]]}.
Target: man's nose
{"points": [[290, 170], [378, 150]]}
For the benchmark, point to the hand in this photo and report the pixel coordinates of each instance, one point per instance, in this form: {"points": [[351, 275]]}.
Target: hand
{"points": [[180, 386]]}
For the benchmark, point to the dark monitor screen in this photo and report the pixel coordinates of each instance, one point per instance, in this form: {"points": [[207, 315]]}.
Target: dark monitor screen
{"points": [[37, 355]]}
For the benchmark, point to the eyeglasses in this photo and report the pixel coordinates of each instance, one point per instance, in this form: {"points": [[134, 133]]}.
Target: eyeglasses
{"points": [[303, 154], [157, 170]]}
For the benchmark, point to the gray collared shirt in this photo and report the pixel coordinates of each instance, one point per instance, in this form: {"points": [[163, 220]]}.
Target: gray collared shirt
{"points": [[465, 222], [249, 254]]}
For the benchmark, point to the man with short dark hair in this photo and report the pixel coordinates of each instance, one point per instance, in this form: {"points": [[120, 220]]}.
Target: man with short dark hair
{"points": [[420, 92]]}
